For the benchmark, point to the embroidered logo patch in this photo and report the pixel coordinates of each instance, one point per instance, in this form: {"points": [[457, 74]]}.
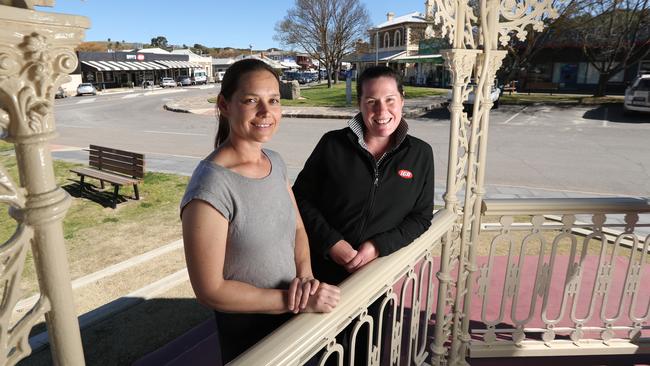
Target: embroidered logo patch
{"points": [[406, 174]]}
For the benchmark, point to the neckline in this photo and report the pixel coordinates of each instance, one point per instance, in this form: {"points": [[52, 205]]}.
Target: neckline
{"points": [[221, 167]]}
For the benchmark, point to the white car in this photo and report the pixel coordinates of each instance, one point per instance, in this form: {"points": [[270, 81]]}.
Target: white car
{"points": [[86, 88], [167, 82], [637, 95], [495, 94]]}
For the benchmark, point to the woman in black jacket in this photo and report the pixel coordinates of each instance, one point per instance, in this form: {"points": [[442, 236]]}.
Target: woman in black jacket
{"points": [[366, 190]]}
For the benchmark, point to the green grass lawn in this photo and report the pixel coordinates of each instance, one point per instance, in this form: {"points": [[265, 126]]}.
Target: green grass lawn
{"points": [[524, 98], [98, 236], [322, 96]]}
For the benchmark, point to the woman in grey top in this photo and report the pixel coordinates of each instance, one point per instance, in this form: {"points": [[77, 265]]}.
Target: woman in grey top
{"points": [[245, 244]]}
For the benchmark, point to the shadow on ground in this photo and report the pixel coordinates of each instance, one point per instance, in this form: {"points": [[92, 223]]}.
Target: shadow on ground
{"points": [[131, 334], [614, 113], [103, 197]]}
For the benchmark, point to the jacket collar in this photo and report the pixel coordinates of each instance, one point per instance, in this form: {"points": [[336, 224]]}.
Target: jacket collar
{"points": [[357, 126]]}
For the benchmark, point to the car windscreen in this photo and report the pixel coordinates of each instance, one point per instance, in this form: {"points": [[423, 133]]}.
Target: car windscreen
{"points": [[644, 84]]}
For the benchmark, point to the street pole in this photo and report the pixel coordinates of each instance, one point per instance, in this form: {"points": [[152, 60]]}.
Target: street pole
{"points": [[474, 55]]}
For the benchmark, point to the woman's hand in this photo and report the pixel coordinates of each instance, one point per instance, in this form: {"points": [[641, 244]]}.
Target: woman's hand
{"points": [[367, 253], [342, 253], [324, 300], [300, 290]]}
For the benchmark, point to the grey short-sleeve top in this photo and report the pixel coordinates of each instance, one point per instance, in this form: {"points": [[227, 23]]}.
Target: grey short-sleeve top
{"points": [[261, 217]]}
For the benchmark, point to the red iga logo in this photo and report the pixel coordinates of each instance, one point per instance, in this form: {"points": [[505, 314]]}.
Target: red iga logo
{"points": [[406, 174]]}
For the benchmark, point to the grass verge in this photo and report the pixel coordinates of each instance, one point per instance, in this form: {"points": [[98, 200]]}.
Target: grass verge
{"points": [[322, 96], [97, 236], [567, 99]]}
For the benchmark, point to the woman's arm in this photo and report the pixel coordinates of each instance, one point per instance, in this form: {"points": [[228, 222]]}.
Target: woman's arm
{"points": [[305, 289], [204, 235]]}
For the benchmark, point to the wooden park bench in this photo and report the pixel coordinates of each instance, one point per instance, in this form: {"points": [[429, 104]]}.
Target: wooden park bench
{"points": [[543, 86], [118, 167]]}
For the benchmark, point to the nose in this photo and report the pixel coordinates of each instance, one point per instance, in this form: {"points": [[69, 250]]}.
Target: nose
{"points": [[263, 108], [379, 106]]}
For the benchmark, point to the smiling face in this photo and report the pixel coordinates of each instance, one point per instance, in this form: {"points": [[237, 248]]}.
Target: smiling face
{"points": [[253, 110], [381, 106]]}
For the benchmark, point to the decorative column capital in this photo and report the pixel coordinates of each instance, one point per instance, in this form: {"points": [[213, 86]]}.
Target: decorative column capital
{"points": [[460, 62], [36, 55]]}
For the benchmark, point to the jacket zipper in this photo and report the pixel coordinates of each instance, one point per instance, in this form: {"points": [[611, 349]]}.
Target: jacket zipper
{"points": [[373, 191]]}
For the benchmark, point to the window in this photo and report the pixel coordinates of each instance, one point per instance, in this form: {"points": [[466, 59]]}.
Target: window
{"points": [[398, 38], [386, 40]]}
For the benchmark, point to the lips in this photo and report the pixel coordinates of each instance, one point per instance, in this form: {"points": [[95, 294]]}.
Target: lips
{"points": [[382, 121]]}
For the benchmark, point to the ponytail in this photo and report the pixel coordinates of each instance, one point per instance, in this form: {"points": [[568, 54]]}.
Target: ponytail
{"points": [[223, 131]]}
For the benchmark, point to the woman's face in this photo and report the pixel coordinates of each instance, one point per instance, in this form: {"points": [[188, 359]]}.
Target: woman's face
{"points": [[254, 108], [381, 106]]}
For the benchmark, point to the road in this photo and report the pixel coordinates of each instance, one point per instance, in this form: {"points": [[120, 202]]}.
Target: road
{"points": [[590, 150]]}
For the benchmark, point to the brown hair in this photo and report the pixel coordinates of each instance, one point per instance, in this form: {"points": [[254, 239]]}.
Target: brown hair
{"points": [[229, 86], [375, 72]]}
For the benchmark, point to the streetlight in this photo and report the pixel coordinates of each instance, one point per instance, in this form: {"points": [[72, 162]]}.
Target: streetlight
{"points": [[250, 47]]}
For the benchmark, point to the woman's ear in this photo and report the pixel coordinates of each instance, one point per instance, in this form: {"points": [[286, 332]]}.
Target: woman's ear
{"points": [[222, 105]]}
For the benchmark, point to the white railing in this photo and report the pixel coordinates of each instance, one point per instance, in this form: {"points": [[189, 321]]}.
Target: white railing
{"points": [[551, 283], [403, 287]]}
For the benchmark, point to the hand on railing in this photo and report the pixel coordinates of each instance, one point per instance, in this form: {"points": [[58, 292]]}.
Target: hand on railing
{"points": [[308, 295], [299, 292], [367, 253], [342, 253]]}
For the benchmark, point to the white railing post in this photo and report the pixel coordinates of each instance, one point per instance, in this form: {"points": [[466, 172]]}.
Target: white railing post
{"points": [[474, 55], [36, 55]]}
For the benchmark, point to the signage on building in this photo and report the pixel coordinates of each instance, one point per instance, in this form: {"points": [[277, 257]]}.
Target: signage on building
{"points": [[432, 46], [139, 57]]}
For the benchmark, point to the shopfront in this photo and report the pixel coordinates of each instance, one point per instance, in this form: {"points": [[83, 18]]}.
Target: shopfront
{"points": [[130, 69]]}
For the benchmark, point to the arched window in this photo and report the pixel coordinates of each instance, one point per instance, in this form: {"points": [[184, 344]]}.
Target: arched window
{"points": [[398, 39], [386, 40]]}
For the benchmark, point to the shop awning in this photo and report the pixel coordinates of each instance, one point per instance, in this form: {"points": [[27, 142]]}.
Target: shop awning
{"points": [[179, 64], [432, 59], [123, 65]]}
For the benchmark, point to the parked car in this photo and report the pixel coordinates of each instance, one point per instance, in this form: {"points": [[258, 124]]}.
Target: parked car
{"points": [[199, 77], [637, 95], [219, 76], [86, 88], [184, 80], [60, 93], [167, 82], [495, 95]]}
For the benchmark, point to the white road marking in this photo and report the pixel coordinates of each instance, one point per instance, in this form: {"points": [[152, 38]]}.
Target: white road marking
{"points": [[131, 96], [514, 116], [84, 101], [166, 91], [176, 133]]}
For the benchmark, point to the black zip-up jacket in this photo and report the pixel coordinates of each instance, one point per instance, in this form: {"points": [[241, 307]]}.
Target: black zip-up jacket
{"points": [[343, 194]]}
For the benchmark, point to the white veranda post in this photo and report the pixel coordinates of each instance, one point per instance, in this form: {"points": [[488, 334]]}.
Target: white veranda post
{"points": [[36, 56], [475, 31]]}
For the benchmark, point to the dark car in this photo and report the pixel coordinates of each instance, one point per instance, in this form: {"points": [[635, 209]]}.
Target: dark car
{"points": [[184, 81], [60, 93]]}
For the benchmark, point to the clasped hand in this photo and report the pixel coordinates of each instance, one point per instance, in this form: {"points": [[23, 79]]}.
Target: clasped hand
{"points": [[308, 295], [352, 260]]}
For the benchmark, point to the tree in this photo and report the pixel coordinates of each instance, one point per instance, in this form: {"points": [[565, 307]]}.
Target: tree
{"points": [[160, 41], [614, 35], [325, 29]]}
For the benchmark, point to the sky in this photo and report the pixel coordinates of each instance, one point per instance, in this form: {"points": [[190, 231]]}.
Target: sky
{"points": [[214, 23]]}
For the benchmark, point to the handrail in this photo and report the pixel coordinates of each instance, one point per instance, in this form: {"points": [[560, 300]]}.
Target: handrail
{"points": [[542, 206], [301, 338]]}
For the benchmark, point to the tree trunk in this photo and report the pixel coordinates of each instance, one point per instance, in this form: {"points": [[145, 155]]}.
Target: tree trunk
{"points": [[603, 78], [329, 76]]}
